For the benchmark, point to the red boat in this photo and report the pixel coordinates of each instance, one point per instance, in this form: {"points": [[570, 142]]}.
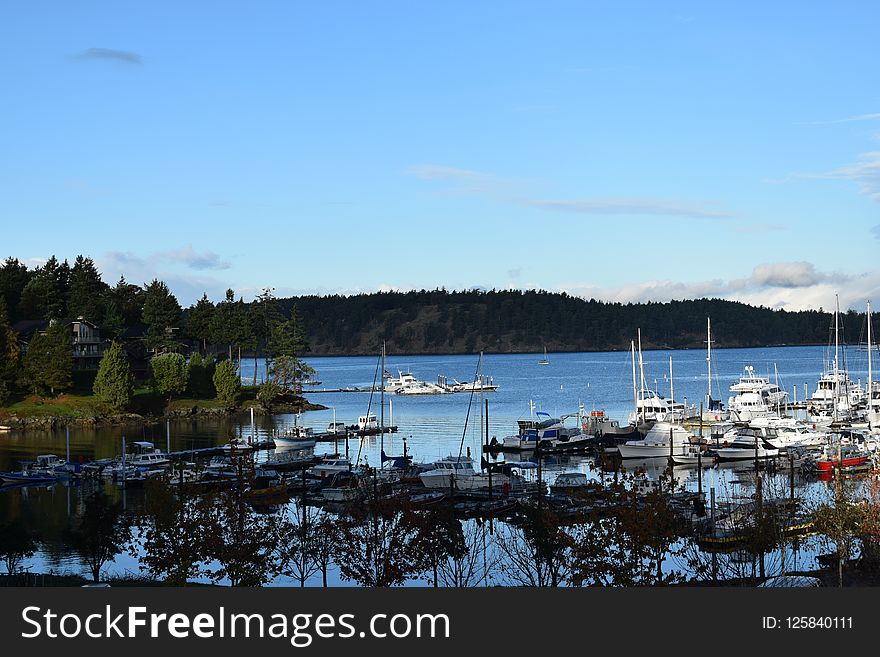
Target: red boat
{"points": [[842, 457]]}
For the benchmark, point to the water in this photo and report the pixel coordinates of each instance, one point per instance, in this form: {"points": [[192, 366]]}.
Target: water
{"points": [[433, 426]]}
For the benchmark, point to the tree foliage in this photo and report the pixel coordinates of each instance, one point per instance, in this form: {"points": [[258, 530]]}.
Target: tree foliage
{"points": [[114, 384], [161, 314], [48, 363], [227, 381], [169, 374]]}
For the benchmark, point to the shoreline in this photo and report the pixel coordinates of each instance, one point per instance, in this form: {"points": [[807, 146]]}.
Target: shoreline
{"points": [[49, 422]]}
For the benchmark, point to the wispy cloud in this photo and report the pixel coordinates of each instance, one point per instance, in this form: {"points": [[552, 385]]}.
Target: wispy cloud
{"points": [[847, 119], [628, 206], [109, 54], [187, 256], [502, 190], [865, 173]]}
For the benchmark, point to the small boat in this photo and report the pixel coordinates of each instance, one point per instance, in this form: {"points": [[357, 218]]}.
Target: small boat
{"points": [[27, 477], [657, 442], [145, 455], [745, 444], [296, 437], [692, 455], [841, 456], [329, 467], [574, 483], [423, 500], [544, 360], [238, 445]]}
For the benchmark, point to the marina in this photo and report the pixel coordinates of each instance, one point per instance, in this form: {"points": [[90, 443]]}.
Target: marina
{"points": [[565, 458]]}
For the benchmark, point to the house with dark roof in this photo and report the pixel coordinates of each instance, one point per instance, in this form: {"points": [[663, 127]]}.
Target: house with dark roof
{"points": [[85, 338]]}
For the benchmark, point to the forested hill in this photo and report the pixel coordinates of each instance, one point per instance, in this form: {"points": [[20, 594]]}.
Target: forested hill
{"points": [[513, 321]]}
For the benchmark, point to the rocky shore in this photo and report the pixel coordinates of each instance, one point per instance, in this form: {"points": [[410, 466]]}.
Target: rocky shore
{"points": [[50, 422]]}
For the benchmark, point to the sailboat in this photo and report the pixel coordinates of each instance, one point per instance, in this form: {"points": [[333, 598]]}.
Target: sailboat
{"points": [[544, 361], [713, 411]]}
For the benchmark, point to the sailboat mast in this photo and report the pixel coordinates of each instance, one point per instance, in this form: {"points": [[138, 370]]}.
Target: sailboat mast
{"points": [[709, 362], [642, 374], [671, 392], [382, 407], [870, 371], [632, 345]]}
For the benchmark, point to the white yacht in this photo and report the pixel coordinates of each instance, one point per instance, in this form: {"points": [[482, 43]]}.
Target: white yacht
{"points": [[747, 443], [657, 442], [145, 455], [329, 466], [407, 384], [653, 407], [836, 397], [755, 397], [458, 472]]}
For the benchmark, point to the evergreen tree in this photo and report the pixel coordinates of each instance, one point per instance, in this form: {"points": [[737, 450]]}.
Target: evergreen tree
{"points": [[227, 382], [200, 373], [86, 290], [48, 362], [44, 296], [113, 324], [8, 355], [114, 384], [265, 315], [14, 276], [198, 323], [161, 315], [222, 325], [129, 301], [169, 374]]}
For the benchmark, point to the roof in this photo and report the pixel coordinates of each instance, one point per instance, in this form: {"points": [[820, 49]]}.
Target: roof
{"points": [[25, 328]]}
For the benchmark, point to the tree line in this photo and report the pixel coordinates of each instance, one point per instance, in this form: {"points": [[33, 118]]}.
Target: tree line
{"points": [[510, 321], [150, 323]]}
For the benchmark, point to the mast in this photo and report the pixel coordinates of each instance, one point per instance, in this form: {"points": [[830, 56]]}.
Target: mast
{"points": [[642, 374], [709, 363], [836, 361], [671, 392], [632, 345], [870, 371], [382, 406]]}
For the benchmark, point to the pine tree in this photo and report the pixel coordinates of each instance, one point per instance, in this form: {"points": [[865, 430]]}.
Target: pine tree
{"points": [[8, 354], [14, 276], [114, 384], [200, 371], [86, 290], [227, 382], [129, 300], [198, 323], [161, 315], [45, 295], [48, 363]]}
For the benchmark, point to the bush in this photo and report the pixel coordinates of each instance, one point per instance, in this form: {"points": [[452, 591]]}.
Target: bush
{"points": [[169, 374]]}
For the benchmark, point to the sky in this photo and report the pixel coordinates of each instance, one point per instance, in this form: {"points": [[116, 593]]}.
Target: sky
{"points": [[618, 150]]}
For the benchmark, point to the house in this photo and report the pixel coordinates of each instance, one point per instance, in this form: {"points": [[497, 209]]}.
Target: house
{"points": [[85, 338]]}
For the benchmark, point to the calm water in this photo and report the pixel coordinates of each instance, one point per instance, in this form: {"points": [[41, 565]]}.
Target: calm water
{"points": [[434, 426]]}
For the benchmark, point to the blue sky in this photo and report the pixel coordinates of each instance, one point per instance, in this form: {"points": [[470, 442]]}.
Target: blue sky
{"points": [[620, 150]]}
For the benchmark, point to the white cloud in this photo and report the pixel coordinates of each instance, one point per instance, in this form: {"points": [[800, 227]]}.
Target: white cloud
{"points": [[788, 285], [847, 119], [501, 190]]}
